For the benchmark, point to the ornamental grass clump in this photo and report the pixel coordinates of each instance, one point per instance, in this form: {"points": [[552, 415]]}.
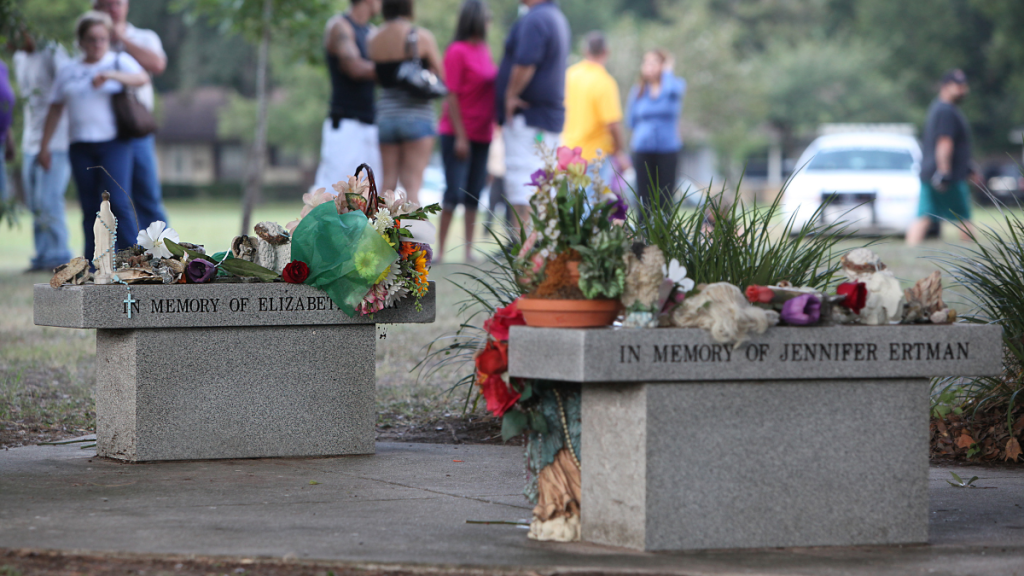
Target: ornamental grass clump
{"points": [[723, 241], [984, 417]]}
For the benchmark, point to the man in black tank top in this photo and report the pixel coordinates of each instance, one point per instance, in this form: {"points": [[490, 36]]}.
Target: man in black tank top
{"points": [[349, 133]]}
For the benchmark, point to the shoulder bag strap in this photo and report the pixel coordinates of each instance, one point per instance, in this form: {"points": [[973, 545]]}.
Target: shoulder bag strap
{"points": [[412, 44]]}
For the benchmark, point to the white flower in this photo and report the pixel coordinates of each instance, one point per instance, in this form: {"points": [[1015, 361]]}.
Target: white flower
{"points": [[152, 239], [676, 272], [392, 276], [396, 292], [383, 221]]}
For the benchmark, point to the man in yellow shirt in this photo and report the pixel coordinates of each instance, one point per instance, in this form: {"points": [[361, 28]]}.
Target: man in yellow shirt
{"points": [[593, 108]]}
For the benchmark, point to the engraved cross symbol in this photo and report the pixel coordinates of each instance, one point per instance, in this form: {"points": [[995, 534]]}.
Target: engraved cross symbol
{"points": [[128, 305]]}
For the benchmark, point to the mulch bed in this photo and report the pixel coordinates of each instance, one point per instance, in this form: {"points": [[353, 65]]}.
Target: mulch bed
{"points": [[981, 438], [449, 430]]}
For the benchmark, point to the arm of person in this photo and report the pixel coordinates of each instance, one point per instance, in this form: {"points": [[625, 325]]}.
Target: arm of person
{"points": [[634, 93], [430, 52], [453, 67], [619, 142], [518, 80], [130, 79], [342, 43], [943, 156], [49, 127], [152, 61]]}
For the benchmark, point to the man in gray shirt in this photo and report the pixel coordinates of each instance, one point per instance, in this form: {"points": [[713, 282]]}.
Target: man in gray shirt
{"points": [[147, 49]]}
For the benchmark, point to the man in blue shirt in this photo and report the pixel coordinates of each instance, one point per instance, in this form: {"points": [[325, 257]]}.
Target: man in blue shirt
{"points": [[531, 94]]}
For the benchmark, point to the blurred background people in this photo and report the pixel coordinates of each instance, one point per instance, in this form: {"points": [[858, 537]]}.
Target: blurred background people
{"points": [[593, 108], [35, 68], [531, 95], [496, 199], [405, 122], [349, 136], [84, 88], [145, 47], [467, 123], [6, 119], [946, 159], [655, 105]]}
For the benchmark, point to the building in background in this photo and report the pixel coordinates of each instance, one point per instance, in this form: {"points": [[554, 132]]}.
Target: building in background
{"points": [[196, 161]]}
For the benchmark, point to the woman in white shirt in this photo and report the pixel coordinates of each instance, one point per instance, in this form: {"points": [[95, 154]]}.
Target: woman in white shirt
{"points": [[84, 88]]}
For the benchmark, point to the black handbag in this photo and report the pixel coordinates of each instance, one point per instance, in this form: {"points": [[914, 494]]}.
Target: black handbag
{"points": [[413, 77], [133, 119]]}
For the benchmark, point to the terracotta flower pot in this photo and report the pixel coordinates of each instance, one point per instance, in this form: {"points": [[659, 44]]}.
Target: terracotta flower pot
{"points": [[542, 313]]}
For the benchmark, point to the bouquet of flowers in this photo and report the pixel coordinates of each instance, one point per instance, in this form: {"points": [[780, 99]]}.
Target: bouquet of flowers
{"points": [[367, 251], [572, 233]]}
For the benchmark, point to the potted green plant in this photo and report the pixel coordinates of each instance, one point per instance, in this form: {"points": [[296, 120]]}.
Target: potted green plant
{"points": [[571, 265]]}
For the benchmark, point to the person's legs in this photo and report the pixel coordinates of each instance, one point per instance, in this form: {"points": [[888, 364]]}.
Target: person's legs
{"points": [[145, 189], [642, 163], [667, 164], [521, 161], [83, 156], [455, 173], [928, 207], [476, 179], [343, 149], [44, 193], [415, 158]]}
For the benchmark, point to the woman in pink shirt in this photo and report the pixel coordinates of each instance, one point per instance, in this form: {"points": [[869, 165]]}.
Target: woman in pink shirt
{"points": [[467, 122]]}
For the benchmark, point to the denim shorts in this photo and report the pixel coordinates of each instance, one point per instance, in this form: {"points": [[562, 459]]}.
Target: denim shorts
{"points": [[398, 129]]}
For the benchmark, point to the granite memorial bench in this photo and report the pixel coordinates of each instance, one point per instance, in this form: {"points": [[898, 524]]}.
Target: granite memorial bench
{"points": [[227, 370], [800, 437]]}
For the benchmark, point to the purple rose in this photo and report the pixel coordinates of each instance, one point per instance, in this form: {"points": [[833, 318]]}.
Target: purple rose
{"points": [[802, 310], [430, 254], [200, 271]]}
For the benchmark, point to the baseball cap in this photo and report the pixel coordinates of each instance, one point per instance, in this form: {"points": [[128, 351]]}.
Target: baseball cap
{"points": [[955, 75]]}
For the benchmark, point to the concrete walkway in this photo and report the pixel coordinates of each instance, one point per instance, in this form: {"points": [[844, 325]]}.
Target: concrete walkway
{"points": [[409, 506]]}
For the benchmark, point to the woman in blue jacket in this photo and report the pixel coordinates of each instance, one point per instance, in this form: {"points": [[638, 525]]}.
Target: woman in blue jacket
{"points": [[653, 115]]}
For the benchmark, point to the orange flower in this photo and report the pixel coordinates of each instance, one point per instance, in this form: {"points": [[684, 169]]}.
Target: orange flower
{"points": [[408, 249]]}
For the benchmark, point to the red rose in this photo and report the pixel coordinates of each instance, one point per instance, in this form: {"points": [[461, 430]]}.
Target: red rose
{"points": [[493, 359], [499, 395], [856, 295], [295, 272], [497, 326], [759, 294]]}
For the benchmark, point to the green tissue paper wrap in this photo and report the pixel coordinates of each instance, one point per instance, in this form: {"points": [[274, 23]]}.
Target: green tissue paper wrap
{"points": [[345, 254]]}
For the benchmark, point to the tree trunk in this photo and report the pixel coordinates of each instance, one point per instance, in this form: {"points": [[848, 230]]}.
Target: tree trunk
{"points": [[258, 153]]}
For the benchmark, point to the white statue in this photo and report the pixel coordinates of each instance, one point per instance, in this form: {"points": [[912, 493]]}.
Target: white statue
{"points": [[885, 297], [103, 233]]}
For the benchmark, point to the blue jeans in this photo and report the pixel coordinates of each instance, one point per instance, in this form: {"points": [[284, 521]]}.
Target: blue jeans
{"points": [[465, 179], [44, 194], [116, 157], [399, 129], [3, 175], [145, 185]]}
